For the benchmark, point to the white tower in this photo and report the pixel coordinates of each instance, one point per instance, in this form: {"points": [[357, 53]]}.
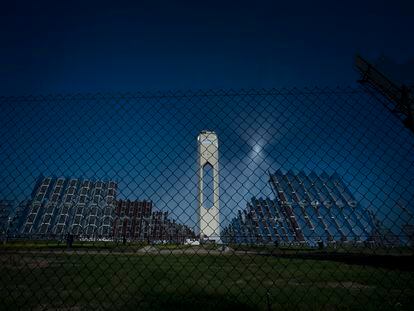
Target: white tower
{"points": [[208, 155]]}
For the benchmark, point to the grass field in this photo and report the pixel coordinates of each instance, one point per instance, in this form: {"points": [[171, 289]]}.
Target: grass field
{"points": [[134, 246], [79, 281]]}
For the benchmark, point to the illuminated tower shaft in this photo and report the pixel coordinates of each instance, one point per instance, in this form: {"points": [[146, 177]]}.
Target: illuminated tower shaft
{"points": [[208, 155]]}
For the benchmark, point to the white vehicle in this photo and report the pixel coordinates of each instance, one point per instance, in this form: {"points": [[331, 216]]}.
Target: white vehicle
{"points": [[191, 242]]}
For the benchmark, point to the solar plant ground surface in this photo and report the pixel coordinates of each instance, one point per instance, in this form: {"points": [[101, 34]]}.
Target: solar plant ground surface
{"points": [[47, 275]]}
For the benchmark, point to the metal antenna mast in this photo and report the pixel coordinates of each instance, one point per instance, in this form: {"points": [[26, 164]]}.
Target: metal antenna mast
{"points": [[399, 99]]}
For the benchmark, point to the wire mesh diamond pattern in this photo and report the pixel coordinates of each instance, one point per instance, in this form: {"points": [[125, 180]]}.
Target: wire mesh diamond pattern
{"points": [[233, 199]]}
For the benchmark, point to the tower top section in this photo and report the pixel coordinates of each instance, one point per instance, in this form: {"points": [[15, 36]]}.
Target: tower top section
{"points": [[207, 138], [207, 132]]}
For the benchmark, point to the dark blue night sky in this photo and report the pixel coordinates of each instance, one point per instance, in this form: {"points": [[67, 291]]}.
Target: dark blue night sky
{"points": [[86, 46], [149, 144]]}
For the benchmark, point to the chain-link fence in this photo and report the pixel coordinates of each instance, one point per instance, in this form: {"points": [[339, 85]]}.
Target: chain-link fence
{"points": [[253, 199]]}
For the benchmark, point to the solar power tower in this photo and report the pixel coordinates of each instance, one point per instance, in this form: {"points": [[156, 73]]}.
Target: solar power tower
{"points": [[208, 158], [399, 99]]}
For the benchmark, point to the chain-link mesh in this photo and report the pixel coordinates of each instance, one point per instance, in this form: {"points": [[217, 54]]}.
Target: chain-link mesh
{"points": [[254, 199]]}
